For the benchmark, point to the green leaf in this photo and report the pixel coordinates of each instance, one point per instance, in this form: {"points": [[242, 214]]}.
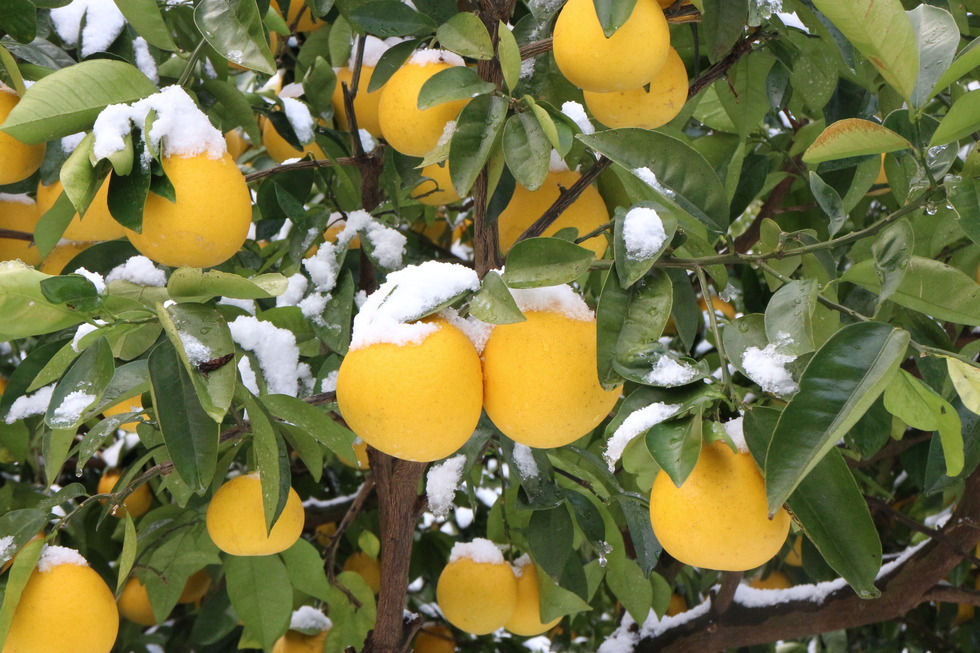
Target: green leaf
{"points": [[478, 127], [549, 538], [538, 262], [921, 407], [313, 421], [645, 543], [938, 38], [790, 311], [613, 14], [965, 62], [882, 32], [305, 568], [962, 119], [966, 380], [963, 194], [196, 285], [556, 601], [930, 287], [853, 137], [509, 54], [188, 431], [829, 202], [454, 83], [128, 555], [839, 384], [676, 173], [390, 61], [675, 445], [527, 150], [21, 525], [638, 344], [20, 572], [271, 459], [146, 19], [830, 508], [466, 35], [385, 18], [629, 585], [10, 65], [18, 18], [614, 300], [892, 252], [723, 22], [80, 389], [127, 193], [629, 267], [261, 595], [493, 303], [68, 100], [234, 29]]}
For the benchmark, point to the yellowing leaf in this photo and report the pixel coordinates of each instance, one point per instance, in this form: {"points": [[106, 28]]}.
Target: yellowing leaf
{"points": [[853, 137], [966, 380]]}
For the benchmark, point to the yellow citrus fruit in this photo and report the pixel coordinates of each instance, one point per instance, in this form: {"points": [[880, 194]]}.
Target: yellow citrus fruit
{"points": [[527, 615], [66, 608], [96, 225], [541, 387], [18, 161], [365, 104], [408, 129], [677, 605], [209, 221], [196, 587], [665, 3], [438, 188], [138, 501], [366, 567], [279, 148], [325, 533], [477, 597], [882, 178], [360, 455], [628, 59], [18, 213], [638, 107], [134, 603], [236, 521], [58, 258], [776, 580], [298, 9], [296, 642], [433, 638], [586, 213], [431, 397], [718, 518], [794, 557], [235, 143], [720, 305], [126, 406]]}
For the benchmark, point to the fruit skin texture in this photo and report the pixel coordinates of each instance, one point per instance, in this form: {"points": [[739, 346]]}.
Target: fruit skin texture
{"points": [[19, 216], [366, 567], [96, 225], [586, 213], [59, 257], [628, 59], [18, 161], [541, 387], [296, 642], [527, 616], [477, 597], [638, 108], [236, 521], [125, 407], [196, 587], [279, 148], [408, 129], [365, 104], [138, 501], [718, 518], [134, 603], [416, 402], [776, 580], [68, 609], [435, 639], [207, 224], [438, 189]]}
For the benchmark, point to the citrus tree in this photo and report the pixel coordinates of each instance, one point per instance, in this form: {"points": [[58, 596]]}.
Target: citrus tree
{"points": [[617, 325]]}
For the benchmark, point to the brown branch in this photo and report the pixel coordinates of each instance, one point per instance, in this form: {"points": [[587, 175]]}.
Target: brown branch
{"points": [[355, 509], [721, 601], [13, 234], [950, 594], [751, 235], [885, 509], [741, 48], [565, 200]]}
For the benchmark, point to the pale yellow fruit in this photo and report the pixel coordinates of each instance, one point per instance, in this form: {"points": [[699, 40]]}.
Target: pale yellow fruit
{"points": [[438, 188], [365, 104], [628, 59], [18, 161], [585, 214], [541, 387], [235, 143], [433, 638], [366, 567], [19, 215], [414, 401], [718, 518], [677, 605], [68, 609], [134, 603], [207, 224], [638, 107], [196, 587], [296, 642], [236, 521], [126, 406], [408, 129], [96, 225], [58, 258], [298, 9], [527, 615], [776, 580], [279, 148], [477, 597], [136, 504]]}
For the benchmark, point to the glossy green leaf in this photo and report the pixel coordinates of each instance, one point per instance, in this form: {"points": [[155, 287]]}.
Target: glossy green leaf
{"points": [[676, 173], [478, 128], [930, 287], [271, 460], [645, 543], [613, 14], [853, 137], [882, 32], [966, 61], [892, 252], [632, 265], [938, 37], [629, 585], [146, 19], [21, 526], [963, 194], [305, 568], [509, 54], [80, 388], [790, 312], [526, 149], [18, 18], [840, 382], [68, 100], [234, 29], [454, 83], [385, 18], [638, 345], [538, 262], [962, 120], [493, 303], [921, 407], [675, 445], [390, 61], [20, 572], [829, 201], [723, 22], [466, 35], [261, 595], [614, 300], [549, 537], [556, 601], [313, 421], [194, 284]]}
